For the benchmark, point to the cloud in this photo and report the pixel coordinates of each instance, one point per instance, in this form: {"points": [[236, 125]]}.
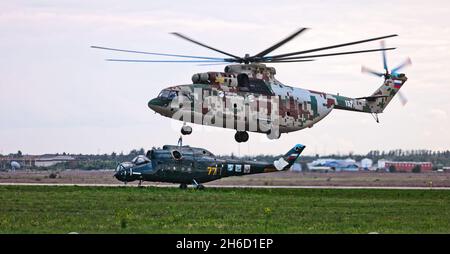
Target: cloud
{"points": [[55, 91]]}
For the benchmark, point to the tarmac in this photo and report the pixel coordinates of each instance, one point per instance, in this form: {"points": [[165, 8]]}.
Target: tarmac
{"points": [[231, 186]]}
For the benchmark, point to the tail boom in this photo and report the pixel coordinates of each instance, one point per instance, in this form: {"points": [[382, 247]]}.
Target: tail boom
{"points": [[376, 102]]}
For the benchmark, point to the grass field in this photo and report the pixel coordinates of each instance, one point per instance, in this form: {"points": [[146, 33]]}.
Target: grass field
{"points": [[48, 209]]}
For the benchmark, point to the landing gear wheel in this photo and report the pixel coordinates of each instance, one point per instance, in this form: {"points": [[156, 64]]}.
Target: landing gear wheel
{"points": [[183, 186], [200, 187], [241, 136], [273, 134], [186, 130]]}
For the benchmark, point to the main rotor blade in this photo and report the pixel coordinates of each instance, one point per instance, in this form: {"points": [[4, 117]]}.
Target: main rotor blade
{"points": [[287, 61], [367, 70], [384, 57], [164, 61], [204, 45], [333, 54], [290, 37], [156, 54], [331, 47], [405, 63], [212, 64]]}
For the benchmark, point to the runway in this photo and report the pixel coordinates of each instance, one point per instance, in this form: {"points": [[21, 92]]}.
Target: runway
{"points": [[232, 186]]}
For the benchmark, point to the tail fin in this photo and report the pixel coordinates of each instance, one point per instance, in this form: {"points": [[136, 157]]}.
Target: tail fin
{"points": [[378, 101], [393, 81], [289, 158]]}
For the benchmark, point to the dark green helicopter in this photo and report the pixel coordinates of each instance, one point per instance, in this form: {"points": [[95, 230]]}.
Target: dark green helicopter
{"points": [[190, 165]]}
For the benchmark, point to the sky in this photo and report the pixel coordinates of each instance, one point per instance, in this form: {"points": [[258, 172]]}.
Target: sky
{"points": [[59, 95]]}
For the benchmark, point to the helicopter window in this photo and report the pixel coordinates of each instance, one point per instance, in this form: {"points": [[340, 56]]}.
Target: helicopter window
{"points": [[176, 155], [167, 94], [258, 86], [252, 85], [173, 94], [140, 159], [149, 154], [164, 94], [243, 82]]}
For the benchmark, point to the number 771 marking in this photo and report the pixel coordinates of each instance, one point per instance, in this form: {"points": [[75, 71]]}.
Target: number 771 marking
{"points": [[212, 170]]}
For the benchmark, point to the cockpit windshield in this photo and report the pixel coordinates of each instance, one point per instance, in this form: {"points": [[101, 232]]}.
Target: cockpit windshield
{"points": [[140, 159], [167, 94], [123, 166]]}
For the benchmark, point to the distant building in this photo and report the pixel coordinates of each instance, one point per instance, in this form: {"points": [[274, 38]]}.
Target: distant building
{"points": [[49, 161], [408, 166], [23, 161], [296, 167], [325, 165], [366, 164], [381, 164]]}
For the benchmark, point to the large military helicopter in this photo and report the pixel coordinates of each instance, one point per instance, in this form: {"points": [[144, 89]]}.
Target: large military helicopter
{"points": [[191, 165], [247, 97]]}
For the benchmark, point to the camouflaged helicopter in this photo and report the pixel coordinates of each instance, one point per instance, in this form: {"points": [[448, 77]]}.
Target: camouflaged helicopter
{"points": [[248, 97], [190, 165]]}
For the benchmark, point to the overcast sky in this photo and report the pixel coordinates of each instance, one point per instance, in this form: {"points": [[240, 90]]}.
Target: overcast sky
{"points": [[58, 95]]}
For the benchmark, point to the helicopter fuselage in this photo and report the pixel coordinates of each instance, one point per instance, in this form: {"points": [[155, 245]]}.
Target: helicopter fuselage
{"points": [[187, 165], [249, 98]]}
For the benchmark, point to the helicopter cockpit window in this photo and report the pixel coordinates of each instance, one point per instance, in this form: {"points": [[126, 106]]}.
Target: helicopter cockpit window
{"points": [[176, 155], [167, 94], [243, 84], [124, 165], [149, 154], [140, 159]]}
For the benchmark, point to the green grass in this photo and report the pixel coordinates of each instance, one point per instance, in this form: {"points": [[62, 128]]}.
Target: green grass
{"points": [[48, 209]]}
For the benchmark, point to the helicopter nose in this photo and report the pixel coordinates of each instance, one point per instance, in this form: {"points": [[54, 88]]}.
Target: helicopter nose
{"points": [[155, 104], [123, 175], [160, 106], [118, 175]]}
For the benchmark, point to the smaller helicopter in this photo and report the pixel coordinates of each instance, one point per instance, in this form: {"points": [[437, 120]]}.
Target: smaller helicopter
{"points": [[191, 165]]}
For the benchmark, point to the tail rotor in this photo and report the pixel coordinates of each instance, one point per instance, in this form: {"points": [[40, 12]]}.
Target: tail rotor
{"points": [[394, 73]]}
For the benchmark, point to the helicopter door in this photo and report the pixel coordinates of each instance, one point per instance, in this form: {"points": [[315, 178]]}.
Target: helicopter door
{"points": [[243, 82]]}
